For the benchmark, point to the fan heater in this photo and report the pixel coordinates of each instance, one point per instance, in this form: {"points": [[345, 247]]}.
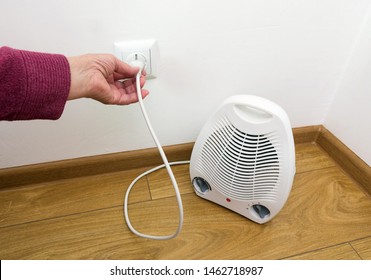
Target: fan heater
{"points": [[244, 158]]}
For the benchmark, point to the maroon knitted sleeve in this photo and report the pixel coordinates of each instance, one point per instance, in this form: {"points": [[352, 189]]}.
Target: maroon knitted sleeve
{"points": [[32, 85]]}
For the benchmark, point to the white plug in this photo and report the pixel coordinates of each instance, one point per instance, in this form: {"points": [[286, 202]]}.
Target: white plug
{"points": [[137, 60]]}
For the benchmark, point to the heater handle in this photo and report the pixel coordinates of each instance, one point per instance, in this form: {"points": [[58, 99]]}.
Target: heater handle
{"points": [[252, 114]]}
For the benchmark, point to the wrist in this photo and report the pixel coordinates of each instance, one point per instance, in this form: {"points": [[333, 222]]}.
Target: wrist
{"points": [[73, 92]]}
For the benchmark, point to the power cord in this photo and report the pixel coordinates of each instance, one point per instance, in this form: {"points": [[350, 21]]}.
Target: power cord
{"points": [[140, 61]]}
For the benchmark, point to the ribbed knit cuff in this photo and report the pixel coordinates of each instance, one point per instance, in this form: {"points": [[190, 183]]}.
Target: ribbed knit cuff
{"points": [[47, 84]]}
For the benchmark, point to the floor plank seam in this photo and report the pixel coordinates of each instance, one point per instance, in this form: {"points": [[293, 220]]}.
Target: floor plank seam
{"points": [[149, 188], [350, 244], [64, 216], [361, 238], [316, 169], [316, 250]]}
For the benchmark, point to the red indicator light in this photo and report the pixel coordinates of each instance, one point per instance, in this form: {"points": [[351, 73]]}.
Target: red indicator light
{"points": [[228, 200]]}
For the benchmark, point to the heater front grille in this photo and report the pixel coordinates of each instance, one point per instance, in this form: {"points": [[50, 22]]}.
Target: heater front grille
{"points": [[241, 165]]}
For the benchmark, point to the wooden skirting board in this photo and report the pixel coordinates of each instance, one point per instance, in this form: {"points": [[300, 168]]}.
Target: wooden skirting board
{"points": [[359, 170], [94, 165]]}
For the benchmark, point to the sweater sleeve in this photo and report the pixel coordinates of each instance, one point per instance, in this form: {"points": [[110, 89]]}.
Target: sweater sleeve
{"points": [[32, 85]]}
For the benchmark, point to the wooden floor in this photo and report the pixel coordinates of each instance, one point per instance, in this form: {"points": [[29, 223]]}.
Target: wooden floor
{"points": [[327, 216]]}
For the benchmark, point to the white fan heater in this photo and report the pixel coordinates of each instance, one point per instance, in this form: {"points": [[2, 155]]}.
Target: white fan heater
{"points": [[244, 158]]}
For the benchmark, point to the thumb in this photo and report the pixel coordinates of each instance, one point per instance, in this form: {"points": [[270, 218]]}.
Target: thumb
{"points": [[124, 70]]}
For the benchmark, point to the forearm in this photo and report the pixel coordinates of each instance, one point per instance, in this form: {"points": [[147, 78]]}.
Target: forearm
{"points": [[32, 85]]}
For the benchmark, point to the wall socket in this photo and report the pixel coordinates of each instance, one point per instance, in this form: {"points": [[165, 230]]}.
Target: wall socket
{"points": [[124, 51]]}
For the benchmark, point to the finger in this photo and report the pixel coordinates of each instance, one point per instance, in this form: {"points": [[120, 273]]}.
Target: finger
{"points": [[145, 93], [142, 81], [130, 84], [124, 69], [129, 98]]}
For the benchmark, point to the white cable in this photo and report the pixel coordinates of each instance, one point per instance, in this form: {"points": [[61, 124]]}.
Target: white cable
{"points": [[169, 171]]}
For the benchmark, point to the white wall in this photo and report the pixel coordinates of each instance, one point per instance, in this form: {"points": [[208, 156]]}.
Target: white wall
{"points": [[292, 52], [349, 116]]}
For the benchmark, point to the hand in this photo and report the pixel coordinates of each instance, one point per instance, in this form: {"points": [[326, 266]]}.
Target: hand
{"points": [[97, 77]]}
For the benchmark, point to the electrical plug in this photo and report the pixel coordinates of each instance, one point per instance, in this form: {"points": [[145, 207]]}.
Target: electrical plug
{"points": [[137, 60]]}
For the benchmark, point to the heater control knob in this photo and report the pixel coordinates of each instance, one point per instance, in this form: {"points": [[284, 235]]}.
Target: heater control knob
{"points": [[201, 185], [261, 210]]}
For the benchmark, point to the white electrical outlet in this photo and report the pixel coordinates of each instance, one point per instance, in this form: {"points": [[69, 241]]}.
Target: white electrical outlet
{"points": [[124, 50]]}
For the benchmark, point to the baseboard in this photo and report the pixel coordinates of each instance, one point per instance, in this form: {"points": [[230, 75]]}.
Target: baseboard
{"points": [[94, 165], [359, 170], [307, 134]]}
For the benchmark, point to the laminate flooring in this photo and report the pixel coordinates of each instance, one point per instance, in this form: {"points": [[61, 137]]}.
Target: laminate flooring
{"points": [[327, 216]]}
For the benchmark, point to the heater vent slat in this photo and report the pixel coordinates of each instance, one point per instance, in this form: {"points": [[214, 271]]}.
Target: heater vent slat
{"points": [[242, 166]]}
